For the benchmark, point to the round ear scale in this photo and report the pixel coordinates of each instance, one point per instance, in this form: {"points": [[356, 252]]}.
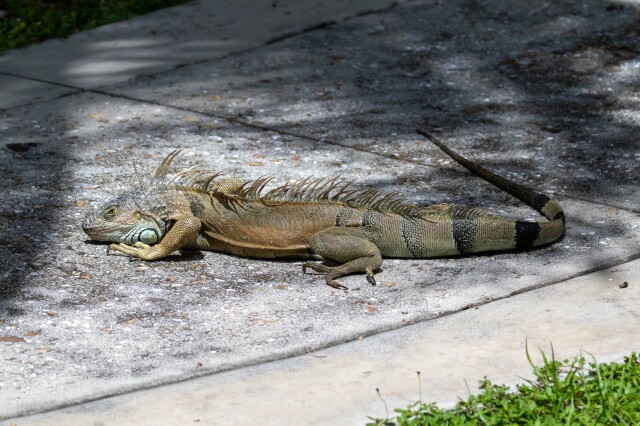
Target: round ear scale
{"points": [[149, 236], [137, 215]]}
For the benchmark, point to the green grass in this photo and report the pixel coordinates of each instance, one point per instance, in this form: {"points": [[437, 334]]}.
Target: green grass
{"points": [[562, 393], [31, 21]]}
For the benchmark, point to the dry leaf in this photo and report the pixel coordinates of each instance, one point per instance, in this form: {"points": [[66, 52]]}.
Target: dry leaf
{"points": [[191, 119], [257, 320], [372, 309], [80, 203], [52, 313], [281, 286], [11, 339], [254, 163], [84, 276], [32, 333]]}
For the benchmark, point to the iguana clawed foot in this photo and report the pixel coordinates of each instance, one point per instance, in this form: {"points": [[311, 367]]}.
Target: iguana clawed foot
{"points": [[324, 269], [333, 272], [370, 277], [137, 251]]}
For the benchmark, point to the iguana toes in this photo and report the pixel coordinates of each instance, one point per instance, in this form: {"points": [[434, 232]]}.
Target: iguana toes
{"points": [[322, 219]]}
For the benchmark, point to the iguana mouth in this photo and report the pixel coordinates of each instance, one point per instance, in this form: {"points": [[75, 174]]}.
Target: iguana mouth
{"points": [[96, 232]]}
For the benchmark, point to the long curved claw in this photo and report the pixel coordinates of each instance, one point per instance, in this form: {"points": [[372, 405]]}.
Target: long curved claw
{"points": [[113, 247], [123, 248], [324, 269], [370, 277], [116, 247], [333, 283], [318, 267]]}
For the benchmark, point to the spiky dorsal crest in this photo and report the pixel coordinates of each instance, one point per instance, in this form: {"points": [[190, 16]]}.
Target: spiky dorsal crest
{"points": [[334, 189], [312, 189], [390, 202], [163, 168], [309, 189], [253, 189], [192, 177]]}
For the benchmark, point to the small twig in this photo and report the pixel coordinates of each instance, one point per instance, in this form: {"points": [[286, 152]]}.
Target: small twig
{"points": [[386, 409]]}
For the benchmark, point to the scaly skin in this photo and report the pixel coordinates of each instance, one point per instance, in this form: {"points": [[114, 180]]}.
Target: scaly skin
{"points": [[310, 219]]}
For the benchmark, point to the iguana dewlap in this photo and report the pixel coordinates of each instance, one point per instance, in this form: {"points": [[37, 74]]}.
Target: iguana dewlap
{"points": [[322, 219]]}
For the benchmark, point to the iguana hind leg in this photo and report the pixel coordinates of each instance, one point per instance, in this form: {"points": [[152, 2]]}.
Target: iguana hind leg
{"points": [[348, 246]]}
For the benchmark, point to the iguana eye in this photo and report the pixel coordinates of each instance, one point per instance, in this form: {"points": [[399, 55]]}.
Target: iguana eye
{"points": [[110, 213]]}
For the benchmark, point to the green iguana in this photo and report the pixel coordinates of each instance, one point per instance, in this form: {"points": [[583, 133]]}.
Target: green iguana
{"points": [[321, 219]]}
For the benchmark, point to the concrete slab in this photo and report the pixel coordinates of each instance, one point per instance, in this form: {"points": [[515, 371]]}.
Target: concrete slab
{"points": [[83, 325], [162, 40], [552, 81], [589, 316], [77, 325], [19, 91]]}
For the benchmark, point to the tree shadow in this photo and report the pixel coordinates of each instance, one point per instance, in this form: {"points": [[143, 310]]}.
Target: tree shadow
{"points": [[557, 89]]}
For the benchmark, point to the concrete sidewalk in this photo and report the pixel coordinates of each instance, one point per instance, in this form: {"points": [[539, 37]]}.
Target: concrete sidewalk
{"points": [[544, 94], [337, 385]]}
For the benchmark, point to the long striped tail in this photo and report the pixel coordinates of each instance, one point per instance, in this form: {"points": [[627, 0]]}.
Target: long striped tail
{"points": [[528, 234]]}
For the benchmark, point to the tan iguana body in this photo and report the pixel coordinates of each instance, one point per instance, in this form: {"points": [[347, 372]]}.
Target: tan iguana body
{"points": [[319, 219]]}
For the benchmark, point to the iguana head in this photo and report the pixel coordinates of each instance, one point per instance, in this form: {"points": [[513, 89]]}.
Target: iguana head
{"points": [[123, 221]]}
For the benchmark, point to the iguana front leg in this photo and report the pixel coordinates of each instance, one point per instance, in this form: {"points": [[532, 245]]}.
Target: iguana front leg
{"points": [[184, 230], [346, 245]]}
